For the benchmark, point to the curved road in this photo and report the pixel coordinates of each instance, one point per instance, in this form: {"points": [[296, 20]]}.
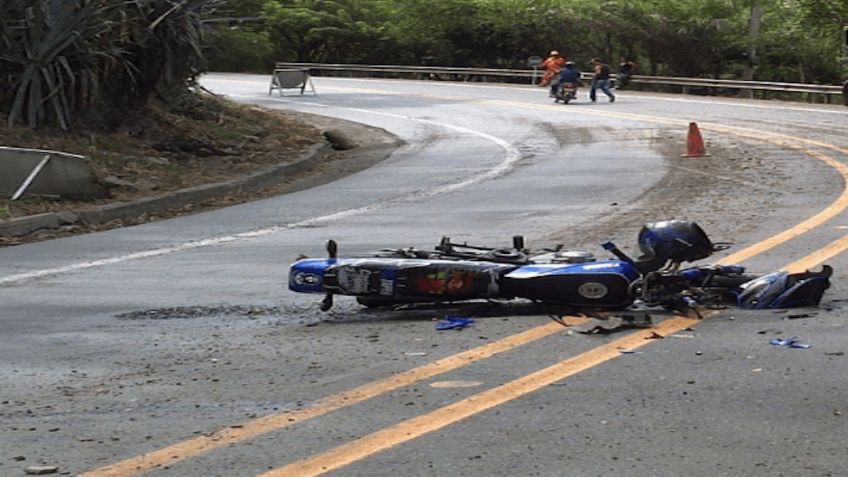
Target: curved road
{"points": [[173, 348]]}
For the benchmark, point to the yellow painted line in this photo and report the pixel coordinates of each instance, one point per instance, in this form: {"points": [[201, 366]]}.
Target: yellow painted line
{"points": [[832, 210], [273, 422], [819, 256], [416, 427], [193, 447]]}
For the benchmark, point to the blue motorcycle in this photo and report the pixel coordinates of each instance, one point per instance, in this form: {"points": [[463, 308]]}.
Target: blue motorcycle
{"points": [[575, 279]]}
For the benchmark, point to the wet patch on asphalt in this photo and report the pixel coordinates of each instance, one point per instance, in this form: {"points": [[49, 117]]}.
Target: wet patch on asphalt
{"points": [[345, 311], [218, 311]]}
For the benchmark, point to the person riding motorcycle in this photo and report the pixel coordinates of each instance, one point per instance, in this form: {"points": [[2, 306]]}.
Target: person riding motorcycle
{"points": [[569, 74]]}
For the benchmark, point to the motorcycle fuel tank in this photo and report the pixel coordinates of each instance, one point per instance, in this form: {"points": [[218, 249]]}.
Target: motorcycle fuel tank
{"points": [[606, 283]]}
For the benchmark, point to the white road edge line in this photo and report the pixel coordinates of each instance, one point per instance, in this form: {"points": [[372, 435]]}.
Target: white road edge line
{"points": [[512, 156]]}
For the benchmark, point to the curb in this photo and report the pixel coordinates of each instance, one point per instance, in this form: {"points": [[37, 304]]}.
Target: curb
{"points": [[164, 202]]}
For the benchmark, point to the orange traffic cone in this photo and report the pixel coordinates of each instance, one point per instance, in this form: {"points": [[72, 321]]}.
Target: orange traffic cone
{"points": [[694, 143]]}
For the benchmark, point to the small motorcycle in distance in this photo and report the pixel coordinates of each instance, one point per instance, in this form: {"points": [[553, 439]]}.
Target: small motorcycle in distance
{"points": [[565, 93]]}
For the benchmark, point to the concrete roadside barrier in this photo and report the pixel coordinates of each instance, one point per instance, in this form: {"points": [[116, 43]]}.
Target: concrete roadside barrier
{"points": [[51, 173], [372, 145], [161, 203]]}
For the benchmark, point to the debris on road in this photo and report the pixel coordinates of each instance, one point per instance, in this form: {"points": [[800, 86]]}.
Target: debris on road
{"points": [[453, 322], [790, 342], [41, 469], [614, 323], [456, 384], [628, 351], [801, 315]]}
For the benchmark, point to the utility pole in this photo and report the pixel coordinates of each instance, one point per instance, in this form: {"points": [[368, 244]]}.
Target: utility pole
{"points": [[844, 61], [753, 34]]}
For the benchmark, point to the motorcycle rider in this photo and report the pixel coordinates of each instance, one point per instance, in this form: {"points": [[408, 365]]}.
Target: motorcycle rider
{"points": [[569, 74]]}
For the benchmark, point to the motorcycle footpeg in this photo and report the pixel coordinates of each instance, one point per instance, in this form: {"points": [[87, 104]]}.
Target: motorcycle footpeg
{"points": [[327, 302]]}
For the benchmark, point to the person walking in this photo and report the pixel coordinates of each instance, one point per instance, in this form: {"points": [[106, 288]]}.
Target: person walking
{"points": [[600, 80]]}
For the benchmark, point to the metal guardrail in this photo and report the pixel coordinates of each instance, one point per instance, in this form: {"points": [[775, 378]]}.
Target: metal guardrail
{"points": [[738, 84], [827, 90], [410, 69]]}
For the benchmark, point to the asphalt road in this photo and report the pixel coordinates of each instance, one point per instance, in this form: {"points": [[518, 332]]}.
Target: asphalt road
{"points": [[173, 348]]}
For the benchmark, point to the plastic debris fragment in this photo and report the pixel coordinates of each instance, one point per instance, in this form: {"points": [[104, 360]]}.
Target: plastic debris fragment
{"points": [[628, 351], [614, 323], [452, 322], [790, 342]]}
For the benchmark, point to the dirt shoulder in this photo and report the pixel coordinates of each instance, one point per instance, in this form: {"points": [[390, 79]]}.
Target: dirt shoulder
{"points": [[168, 164], [740, 186]]}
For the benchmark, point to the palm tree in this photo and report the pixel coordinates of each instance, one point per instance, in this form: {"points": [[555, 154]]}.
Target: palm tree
{"points": [[61, 57]]}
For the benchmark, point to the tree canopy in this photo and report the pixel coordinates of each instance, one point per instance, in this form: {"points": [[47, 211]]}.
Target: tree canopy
{"points": [[61, 58], [797, 40]]}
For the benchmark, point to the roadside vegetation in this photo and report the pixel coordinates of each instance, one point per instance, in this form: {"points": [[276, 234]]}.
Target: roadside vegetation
{"points": [[767, 40], [115, 82], [92, 61]]}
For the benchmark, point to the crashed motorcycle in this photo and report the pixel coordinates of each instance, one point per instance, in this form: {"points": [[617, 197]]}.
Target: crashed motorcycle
{"points": [[576, 279]]}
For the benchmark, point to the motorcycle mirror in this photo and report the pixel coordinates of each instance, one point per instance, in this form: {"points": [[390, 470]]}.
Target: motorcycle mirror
{"points": [[612, 248], [444, 244], [719, 246], [518, 242], [332, 248]]}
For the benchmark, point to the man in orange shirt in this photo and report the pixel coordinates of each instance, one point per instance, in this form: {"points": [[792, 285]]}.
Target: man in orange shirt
{"points": [[552, 66]]}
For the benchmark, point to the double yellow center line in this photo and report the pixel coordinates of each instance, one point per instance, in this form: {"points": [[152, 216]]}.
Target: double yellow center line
{"points": [[440, 418], [277, 421]]}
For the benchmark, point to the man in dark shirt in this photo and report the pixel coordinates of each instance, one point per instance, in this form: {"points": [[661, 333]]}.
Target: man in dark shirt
{"points": [[600, 80], [625, 70]]}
